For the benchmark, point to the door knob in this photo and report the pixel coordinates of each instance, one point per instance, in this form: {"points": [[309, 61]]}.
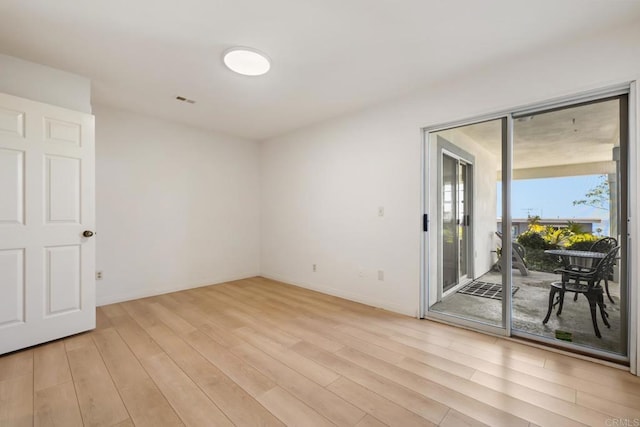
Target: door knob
{"points": [[87, 233]]}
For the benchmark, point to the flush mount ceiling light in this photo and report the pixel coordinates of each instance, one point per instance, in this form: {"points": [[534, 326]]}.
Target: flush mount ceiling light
{"points": [[246, 61]]}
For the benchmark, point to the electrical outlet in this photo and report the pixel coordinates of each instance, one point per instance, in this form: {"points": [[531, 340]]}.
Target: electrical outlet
{"points": [[98, 275], [314, 268], [381, 275]]}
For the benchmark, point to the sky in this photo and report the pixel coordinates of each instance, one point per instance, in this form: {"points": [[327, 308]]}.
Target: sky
{"points": [[553, 198]]}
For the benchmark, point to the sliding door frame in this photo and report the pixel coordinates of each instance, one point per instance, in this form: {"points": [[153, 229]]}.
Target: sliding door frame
{"points": [[630, 88], [429, 199], [445, 148]]}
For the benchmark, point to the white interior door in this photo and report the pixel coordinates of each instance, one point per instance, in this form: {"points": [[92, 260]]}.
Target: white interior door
{"points": [[47, 282]]}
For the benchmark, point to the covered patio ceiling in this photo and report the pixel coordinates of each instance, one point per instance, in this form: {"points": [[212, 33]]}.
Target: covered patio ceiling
{"points": [[568, 142]]}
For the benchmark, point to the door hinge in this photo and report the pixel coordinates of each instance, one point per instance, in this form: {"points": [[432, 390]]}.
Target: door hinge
{"points": [[425, 222]]}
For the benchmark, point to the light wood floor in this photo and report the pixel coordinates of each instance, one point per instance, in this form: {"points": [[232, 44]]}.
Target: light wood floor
{"points": [[258, 352]]}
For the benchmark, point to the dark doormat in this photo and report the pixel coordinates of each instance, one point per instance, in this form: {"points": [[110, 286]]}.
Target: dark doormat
{"points": [[485, 290]]}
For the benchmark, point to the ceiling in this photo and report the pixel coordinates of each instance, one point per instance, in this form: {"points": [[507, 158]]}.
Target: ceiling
{"points": [[329, 57], [577, 135]]}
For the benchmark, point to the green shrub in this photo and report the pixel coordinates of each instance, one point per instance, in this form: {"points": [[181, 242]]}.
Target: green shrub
{"points": [[535, 244], [534, 240], [537, 260], [538, 239], [581, 242]]}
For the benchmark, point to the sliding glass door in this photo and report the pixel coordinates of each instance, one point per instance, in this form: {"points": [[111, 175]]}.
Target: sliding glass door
{"points": [[527, 224], [465, 164], [568, 198]]}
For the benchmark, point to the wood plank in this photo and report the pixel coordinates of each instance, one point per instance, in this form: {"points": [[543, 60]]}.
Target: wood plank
{"points": [[220, 334], [57, 406], [309, 335], [189, 311], [100, 403], [350, 341], [172, 320], [452, 391], [250, 379], [314, 371], [50, 365], [626, 410], [570, 410], [113, 310], [140, 310], [324, 402], [533, 382], [186, 398], [136, 338], [78, 341], [408, 399], [237, 404], [16, 400], [433, 360], [369, 421], [16, 365], [123, 366], [290, 410], [597, 373], [147, 406], [144, 402], [382, 409], [102, 320], [456, 419]]}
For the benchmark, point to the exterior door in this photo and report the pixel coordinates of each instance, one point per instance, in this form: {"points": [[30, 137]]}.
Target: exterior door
{"points": [[47, 261], [455, 221]]}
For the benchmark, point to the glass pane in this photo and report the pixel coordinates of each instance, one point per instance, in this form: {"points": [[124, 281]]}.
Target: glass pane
{"points": [[462, 220], [565, 202], [464, 278], [449, 226]]}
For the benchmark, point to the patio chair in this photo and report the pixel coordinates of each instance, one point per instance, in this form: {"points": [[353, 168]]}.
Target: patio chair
{"points": [[605, 245], [585, 281], [517, 257]]}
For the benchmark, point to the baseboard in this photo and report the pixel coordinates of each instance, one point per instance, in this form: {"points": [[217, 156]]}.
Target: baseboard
{"points": [[346, 295], [113, 299]]}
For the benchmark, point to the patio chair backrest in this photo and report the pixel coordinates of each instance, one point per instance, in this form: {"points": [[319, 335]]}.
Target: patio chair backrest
{"points": [[604, 245], [606, 265]]}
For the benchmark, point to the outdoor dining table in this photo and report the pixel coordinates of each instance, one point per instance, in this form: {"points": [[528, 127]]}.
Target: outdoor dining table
{"points": [[581, 258], [593, 291]]}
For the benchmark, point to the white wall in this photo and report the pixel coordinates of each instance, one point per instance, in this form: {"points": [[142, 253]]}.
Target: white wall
{"points": [[44, 84], [176, 207], [322, 185]]}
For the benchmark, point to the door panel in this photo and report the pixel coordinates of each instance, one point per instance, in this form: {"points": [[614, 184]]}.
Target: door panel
{"points": [[12, 187], [13, 286], [46, 265], [579, 191], [12, 122], [464, 284], [62, 181], [57, 131], [62, 275]]}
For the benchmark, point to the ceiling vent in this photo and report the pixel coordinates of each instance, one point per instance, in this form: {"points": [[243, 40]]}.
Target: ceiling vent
{"points": [[187, 100]]}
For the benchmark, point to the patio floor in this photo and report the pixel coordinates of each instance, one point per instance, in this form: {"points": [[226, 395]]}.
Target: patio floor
{"points": [[530, 304]]}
